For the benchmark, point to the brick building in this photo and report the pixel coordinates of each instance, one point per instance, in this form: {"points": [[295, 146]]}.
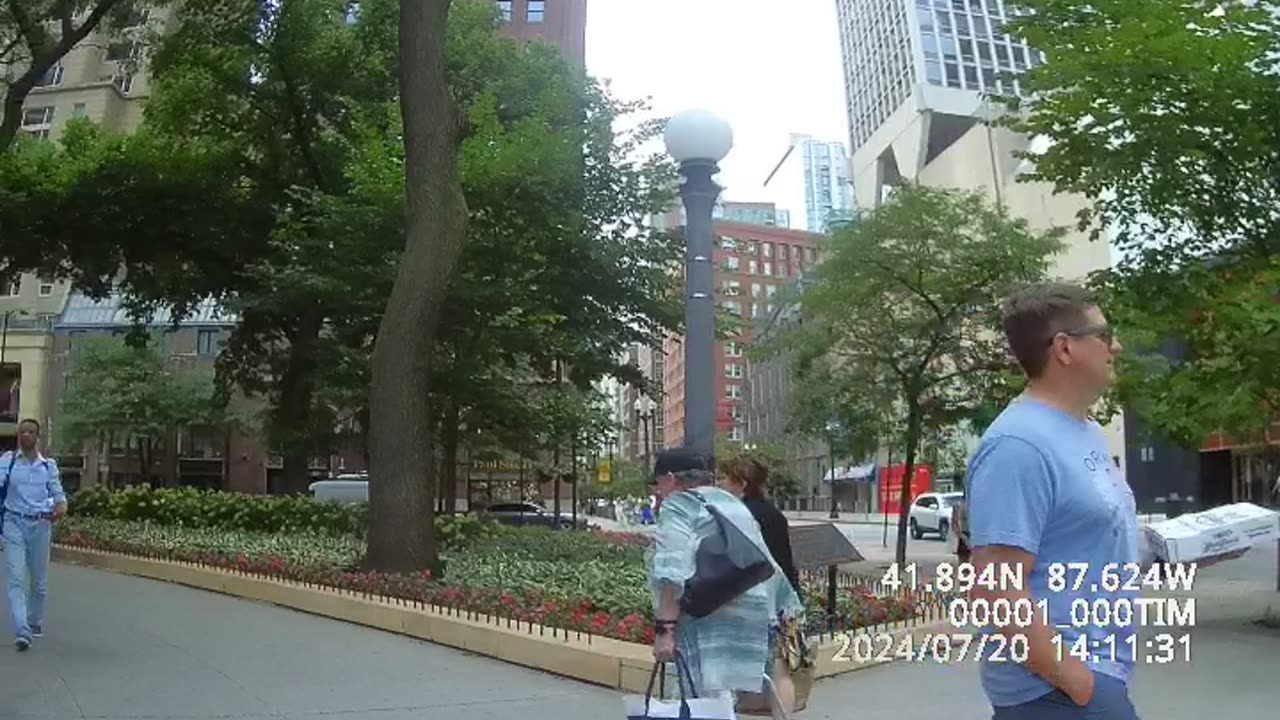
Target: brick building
{"points": [[562, 23], [753, 264], [214, 457]]}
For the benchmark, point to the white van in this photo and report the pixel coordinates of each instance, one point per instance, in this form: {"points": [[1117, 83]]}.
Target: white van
{"points": [[344, 489]]}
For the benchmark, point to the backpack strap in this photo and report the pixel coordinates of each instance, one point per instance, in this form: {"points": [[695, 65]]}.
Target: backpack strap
{"points": [[4, 491]]}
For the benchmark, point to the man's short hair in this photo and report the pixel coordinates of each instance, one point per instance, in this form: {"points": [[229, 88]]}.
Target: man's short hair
{"points": [[29, 421], [1033, 316]]}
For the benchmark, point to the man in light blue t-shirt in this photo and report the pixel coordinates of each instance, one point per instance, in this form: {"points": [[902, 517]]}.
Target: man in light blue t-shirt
{"points": [[1044, 492]]}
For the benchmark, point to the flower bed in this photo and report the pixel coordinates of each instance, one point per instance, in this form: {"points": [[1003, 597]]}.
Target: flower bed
{"points": [[592, 582]]}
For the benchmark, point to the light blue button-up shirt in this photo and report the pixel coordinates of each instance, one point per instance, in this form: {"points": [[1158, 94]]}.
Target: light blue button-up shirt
{"points": [[35, 488]]}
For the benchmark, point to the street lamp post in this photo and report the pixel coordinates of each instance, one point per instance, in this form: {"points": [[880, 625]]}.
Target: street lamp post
{"points": [[698, 140], [833, 427], [645, 407]]}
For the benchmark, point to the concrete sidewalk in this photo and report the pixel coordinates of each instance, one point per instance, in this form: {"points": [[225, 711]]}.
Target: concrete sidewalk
{"points": [[124, 648], [861, 518]]}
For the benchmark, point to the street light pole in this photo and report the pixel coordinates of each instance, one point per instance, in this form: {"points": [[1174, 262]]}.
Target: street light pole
{"points": [[645, 408], [698, 140], [835, 511], [832, 428]]}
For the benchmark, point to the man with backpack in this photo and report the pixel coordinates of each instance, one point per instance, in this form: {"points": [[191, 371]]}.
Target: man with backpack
{"points": [[32, 500]]}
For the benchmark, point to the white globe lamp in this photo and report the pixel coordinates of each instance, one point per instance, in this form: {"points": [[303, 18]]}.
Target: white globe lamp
{"points": [[698, 135]]}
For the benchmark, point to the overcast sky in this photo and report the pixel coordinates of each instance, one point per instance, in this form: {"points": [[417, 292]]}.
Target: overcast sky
{"points": [[771, 68]]}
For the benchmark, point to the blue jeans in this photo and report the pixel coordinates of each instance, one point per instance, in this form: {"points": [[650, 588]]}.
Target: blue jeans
{"points": [[1110, 701], [26, 560]]}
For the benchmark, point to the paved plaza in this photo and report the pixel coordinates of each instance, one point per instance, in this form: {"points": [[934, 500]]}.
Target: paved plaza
{"points": [[123, 648]]}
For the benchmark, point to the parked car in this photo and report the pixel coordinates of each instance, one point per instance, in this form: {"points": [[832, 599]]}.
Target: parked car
{"points": [[525, 513], [931, 513], [353, 488]]}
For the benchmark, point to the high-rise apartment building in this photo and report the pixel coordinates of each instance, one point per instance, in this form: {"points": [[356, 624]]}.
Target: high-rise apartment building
{"points": [[919, 76], [753, 263], [896, 51], [562, 23], [814, 174]]}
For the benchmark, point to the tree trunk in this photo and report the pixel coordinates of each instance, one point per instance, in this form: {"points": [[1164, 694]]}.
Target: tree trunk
{"points": [[297, 388], [904, 499], [449, 465], [401, 511], [144, 462]]}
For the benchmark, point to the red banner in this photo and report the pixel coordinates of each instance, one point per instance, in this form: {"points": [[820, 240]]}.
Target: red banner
{"points": [[891, 485]]}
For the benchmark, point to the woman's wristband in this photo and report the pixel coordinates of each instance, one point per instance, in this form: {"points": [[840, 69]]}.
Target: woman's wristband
{"points": [[660, 627]]}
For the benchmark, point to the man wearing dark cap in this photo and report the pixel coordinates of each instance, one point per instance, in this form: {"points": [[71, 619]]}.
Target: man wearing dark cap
{"points": [[728, 650]]}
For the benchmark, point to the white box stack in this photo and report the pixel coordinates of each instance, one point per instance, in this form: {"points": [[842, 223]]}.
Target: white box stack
{"points": [[1219, 531]]}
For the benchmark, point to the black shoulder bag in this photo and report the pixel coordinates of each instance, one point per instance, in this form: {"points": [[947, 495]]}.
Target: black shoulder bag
{"points": [[727, 565]]}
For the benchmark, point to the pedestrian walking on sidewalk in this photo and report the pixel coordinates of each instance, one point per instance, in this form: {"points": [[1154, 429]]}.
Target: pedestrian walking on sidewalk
{"points": [[726, 650], [33, 500]]}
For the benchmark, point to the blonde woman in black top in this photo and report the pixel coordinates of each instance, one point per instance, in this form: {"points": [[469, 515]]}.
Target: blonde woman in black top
{"points": [[749, 480]]}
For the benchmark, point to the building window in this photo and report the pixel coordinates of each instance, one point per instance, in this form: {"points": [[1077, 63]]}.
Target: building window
{"points": [[46, 288], [38, 122], [124, 83], [208, 343], [732, 288], [768, 269], [733, 349], [733, 371], [504, 10], [735, 433], [732, 306], [79, 110], [52, 77], [733, 392], [753, 268], [121, 51], [731, 264], [768, 250], [537, 11]]}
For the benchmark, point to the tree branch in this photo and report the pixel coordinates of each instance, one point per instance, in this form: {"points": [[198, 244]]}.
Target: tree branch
{"points": [[937, 310], [67, 16]]}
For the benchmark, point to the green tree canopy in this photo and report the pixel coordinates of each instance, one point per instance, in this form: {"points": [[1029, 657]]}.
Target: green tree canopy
{"points": [[900, 329], [117, 390], [1166, 115]]}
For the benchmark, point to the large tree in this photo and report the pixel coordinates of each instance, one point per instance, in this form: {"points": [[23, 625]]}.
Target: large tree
{"points": [[1166, 114], [901, 325]]}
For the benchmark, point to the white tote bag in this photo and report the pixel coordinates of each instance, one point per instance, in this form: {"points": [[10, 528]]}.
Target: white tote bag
{"points": [[647, 707]]}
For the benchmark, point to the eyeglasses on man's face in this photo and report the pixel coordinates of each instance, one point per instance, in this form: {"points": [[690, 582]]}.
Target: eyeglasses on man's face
{"points": [[1102, 331]]}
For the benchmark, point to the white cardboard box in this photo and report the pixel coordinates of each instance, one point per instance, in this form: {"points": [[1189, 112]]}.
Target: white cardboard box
{"points": [[1219, 531]]}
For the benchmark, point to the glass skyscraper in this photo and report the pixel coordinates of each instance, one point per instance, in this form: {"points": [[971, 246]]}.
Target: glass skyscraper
{"points": [[890, 47], [827, 194]]}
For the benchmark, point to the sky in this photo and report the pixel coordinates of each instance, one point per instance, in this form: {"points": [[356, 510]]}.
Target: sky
{"points": [[769, 67]]}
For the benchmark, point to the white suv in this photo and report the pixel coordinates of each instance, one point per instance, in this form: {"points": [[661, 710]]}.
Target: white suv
{"points": [[931, 513]]}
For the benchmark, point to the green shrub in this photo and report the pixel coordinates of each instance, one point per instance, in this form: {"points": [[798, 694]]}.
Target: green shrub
{"points": [[540, 543], [189, 507], [277, 514], [457, 531]]}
